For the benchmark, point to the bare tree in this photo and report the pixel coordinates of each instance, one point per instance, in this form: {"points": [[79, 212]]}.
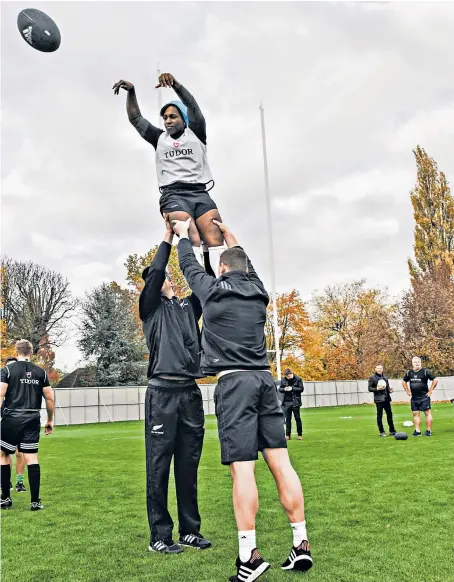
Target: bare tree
{"points": [[35, 303]]}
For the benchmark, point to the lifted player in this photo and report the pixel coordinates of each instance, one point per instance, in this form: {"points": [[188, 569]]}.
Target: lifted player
{"points": [[181, 164], [23, 387]]}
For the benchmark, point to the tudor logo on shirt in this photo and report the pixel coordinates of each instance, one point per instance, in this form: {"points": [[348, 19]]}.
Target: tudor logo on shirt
{"points": [[176, 144], [28, 374]]}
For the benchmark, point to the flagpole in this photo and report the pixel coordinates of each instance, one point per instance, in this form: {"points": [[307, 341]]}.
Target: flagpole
{"points": [[271, 246]]}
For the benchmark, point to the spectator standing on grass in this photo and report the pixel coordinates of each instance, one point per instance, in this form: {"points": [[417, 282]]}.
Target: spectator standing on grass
{"points": [[292, 387], [23, 386], [416, 385], [379, 385]]}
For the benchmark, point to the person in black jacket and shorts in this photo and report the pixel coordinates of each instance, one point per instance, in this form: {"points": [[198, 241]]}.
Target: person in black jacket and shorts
{"points": [[23, 386], [174, 417], [381, 388], [416, 385], [292, 387], [247, 406]]}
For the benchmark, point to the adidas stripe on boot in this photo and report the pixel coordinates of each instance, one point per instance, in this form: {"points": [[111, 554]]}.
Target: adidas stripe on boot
{"points": [[250, 570]]}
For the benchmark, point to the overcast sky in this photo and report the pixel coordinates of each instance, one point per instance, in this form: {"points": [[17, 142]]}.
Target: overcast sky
{"points": [[349, 89]]}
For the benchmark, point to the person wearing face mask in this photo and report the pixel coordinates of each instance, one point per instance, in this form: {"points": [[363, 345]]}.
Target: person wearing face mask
{"points": [[183, 172]]}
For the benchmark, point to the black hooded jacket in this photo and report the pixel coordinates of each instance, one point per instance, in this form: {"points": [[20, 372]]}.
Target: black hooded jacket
{"points": [[379, 395], [234, 315], [297, 390]]}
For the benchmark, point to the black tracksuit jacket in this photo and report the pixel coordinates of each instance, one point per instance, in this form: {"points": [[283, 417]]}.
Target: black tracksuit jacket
{"points": [[379, 395], [234, 315], [170, 326], [297, 390]]}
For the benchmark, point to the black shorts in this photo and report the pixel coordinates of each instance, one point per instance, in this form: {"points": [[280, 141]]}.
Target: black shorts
{"points": [[192, 199], [249, 416], [420, 403], [20, 430]]}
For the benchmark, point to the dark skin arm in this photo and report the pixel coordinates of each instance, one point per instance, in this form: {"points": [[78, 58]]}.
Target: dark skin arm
{"points": [[147, 130]]}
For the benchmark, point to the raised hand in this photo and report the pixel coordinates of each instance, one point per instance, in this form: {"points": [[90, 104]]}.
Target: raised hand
{"points": [[166, 80], [126, 85]]}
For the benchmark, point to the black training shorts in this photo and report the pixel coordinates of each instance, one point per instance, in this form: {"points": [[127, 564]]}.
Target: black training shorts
{"points": [[190, 198], [420, 403], [249, 416], [20, 430]]}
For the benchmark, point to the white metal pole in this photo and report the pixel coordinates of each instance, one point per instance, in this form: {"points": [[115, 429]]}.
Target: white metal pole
{"points": [[159, 102], [271, 247]]}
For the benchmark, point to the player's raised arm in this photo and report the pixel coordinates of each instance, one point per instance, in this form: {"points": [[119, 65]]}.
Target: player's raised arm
{"points": [[147, 130], [231, 241], [154, 277], [196, 119], [198, 280]]}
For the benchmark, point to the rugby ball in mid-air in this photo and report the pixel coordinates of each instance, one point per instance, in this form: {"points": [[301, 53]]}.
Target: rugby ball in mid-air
{"points": [[401, 436], [408, 423], [38, 30]]}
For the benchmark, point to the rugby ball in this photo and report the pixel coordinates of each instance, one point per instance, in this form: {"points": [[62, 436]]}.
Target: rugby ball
{"points": [[408, 423], [38, 30], [401, 436], [381, 384]]}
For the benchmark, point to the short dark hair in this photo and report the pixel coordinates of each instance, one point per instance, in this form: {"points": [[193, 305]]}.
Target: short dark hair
{"points": [[235, 259], [379, 364], [287, 371]]}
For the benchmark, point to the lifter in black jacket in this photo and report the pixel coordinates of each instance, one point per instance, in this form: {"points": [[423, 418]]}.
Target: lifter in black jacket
{"points": [[174, 417], [292, 387], [379, 385], [247, 407]]}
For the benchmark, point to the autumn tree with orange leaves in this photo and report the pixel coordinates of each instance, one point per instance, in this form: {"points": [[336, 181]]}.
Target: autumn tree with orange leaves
{"points": [[357, 327], [300, 343]]}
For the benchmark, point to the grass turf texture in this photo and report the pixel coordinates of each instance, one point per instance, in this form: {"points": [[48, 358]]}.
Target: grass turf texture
{"points": [[377, 509]]}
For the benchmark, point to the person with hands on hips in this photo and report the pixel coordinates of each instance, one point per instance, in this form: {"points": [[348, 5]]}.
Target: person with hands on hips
{"points": [[416, 385]]}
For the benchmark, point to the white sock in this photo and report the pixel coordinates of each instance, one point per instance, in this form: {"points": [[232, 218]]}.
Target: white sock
{"points": [[199, 255], [246, 541], [215, 255], [299, 532]]}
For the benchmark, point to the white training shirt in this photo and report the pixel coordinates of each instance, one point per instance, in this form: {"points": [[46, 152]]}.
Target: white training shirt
{"points": [[182, 160]]}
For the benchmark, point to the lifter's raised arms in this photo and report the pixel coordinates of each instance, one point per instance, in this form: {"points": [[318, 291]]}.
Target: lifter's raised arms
{"points": [[181, 164]]}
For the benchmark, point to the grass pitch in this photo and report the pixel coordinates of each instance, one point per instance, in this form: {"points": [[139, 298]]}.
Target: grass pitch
{"points": [[378, 510]]}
